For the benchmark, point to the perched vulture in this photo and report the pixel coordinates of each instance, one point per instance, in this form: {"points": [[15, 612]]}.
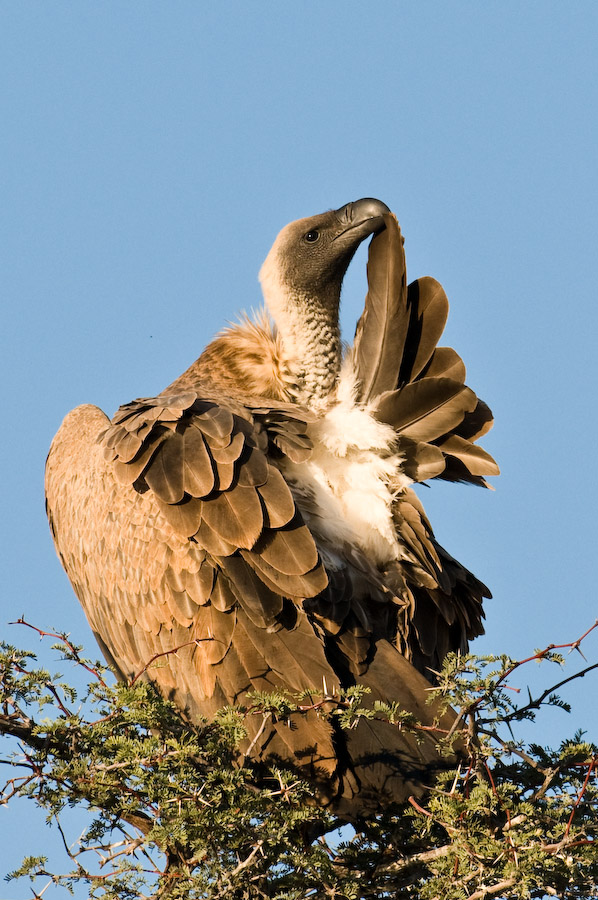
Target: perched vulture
{"points": [[254, 526]]}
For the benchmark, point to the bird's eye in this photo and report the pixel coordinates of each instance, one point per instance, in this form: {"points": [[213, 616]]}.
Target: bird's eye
{"points": [[312, 236]]}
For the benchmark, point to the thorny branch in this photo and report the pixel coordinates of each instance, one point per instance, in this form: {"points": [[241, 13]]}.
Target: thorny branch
{"points": [[64, 639], [536, 703], [542, 654], [441, 847], [195, 642]]}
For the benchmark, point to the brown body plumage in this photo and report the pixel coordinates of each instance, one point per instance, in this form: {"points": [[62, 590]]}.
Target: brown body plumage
{"points": [[258, 515]]}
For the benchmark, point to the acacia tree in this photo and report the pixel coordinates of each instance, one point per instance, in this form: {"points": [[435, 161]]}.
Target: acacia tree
{"points": [[176, 810]]}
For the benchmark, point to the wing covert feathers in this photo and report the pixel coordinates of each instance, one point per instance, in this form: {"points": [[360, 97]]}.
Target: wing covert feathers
{"points": [[208, 468], [198, 555]]}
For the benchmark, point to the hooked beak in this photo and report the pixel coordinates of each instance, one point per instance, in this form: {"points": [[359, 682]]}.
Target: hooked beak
{"points": [[365, 215]]}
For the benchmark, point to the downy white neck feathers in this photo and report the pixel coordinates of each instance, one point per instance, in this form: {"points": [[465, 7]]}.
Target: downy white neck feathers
{"points": [[309, 333]]}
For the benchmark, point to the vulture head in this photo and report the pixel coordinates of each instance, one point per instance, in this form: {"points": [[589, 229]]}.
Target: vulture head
{"points": [[309, 257], [301, 280]]}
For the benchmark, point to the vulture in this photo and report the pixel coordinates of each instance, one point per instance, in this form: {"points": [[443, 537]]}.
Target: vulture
{"points": [[254, 528]]}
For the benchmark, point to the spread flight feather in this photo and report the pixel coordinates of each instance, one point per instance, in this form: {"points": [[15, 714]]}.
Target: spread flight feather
{"points": [[256, 521]]}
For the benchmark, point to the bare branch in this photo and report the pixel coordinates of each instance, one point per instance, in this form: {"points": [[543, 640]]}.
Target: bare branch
{"points": [[63, 638], [156, 656], [491, 890], [535, 704], [580, 795]]}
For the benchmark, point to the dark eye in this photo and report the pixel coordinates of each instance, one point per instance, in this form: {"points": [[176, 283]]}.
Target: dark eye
{"points": [[312, 236]]}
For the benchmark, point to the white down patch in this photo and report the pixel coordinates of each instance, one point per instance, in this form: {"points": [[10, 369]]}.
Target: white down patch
{"points": [[346, 488]]}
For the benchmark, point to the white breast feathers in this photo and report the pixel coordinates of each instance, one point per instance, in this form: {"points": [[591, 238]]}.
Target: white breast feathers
{"points": [[346, 489]]}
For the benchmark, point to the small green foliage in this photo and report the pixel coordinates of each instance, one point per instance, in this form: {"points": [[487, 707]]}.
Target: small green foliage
{"points": [[175, 810]]}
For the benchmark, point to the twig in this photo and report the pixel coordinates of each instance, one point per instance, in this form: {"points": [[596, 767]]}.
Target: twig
{"points": [[23, 730], [512, 849], [419, 808], [580, 795], [257, 736], [417, 859], [493, 889], [541, 654], [535, 704], [196, 641], [247, 862], [64, 640]]}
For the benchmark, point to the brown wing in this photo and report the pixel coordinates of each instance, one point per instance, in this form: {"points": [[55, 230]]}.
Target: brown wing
{"points": [[194, 567], [419, 389]]}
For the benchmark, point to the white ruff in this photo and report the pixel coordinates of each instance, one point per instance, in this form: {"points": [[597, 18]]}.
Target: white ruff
{"points": [[347, 487]]}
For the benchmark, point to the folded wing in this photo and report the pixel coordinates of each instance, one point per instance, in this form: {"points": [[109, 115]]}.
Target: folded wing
{"points": [[195, 569]]}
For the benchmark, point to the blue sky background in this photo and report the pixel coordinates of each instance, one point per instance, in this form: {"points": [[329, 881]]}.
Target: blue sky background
{"points": [[150, 152]]}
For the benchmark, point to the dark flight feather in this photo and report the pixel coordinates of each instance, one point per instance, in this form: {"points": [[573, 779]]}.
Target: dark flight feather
{"points": [[426, 410], [381, 330], [444, 362], [428, 311]]}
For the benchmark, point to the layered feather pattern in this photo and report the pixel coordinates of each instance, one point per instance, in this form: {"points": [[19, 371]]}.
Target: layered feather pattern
{"points": [[415, 386], [224, 538]]}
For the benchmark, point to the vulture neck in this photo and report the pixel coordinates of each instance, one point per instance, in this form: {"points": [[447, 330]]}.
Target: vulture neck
{"points": [[309, 332]]}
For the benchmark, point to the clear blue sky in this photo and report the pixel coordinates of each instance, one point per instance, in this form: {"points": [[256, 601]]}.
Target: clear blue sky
{"points": [[150, 152]]}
